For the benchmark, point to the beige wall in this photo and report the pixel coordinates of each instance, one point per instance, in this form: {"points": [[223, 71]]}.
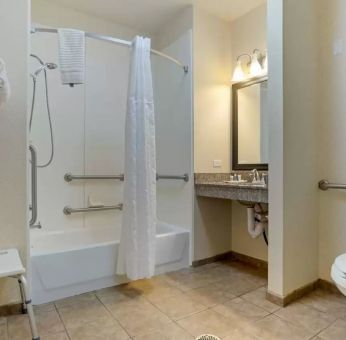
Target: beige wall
{"points": [[50, 14], [247, 33], [332, 137], [293, 94], [14, 28], [212, 73], [173, 29]]}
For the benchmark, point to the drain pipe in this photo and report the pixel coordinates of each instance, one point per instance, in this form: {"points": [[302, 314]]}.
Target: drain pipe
{"points": [[257, 220]]}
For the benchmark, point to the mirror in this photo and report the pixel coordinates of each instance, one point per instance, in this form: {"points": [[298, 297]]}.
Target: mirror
{"points": [[250, 125]]}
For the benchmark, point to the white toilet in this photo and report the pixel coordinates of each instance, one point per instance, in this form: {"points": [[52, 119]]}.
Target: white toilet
{"points": [[338, 273]]}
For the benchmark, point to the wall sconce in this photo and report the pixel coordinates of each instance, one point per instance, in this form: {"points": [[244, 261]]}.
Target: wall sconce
{"points": [[239, 74], [255, 68]]}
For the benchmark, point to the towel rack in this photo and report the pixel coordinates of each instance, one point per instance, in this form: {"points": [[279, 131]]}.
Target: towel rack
{"points": [[68, 210], [70, 177], [325, 185]]}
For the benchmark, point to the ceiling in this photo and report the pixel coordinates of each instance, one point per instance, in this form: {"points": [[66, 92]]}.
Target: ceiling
{"points": [[149, 15]]}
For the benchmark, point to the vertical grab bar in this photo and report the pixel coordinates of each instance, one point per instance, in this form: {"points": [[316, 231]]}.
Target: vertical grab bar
{"points": [[33, 186]]}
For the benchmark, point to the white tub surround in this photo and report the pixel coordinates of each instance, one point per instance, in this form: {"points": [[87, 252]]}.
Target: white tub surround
{"points": [[70, 263], [137, 242]]}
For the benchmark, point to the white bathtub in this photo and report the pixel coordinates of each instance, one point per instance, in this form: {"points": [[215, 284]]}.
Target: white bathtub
{"points": [[70, 263]]}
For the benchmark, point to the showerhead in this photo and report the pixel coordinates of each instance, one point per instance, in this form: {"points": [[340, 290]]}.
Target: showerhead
{"points": [[44, 66], [47, 66]]}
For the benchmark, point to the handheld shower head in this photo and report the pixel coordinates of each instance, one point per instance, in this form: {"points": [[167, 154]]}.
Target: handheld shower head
{"points": [[46, 66]]}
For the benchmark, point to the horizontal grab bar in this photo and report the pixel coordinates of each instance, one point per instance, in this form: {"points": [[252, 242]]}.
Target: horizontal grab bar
{"points": [[184, 177], [68, 210], [69, 177], [325, 185]]}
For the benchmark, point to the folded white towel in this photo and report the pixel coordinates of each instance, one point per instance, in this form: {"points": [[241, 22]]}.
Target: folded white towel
{"points": [[72, 56], [5, 89]]}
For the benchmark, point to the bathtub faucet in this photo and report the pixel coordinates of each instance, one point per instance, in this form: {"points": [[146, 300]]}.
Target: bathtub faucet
{"points": [[36, 226]]}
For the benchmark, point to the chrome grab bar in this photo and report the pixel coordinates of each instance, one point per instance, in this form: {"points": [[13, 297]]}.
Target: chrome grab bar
{"points": [[33, 206], [68, 210], [184, 177], [325, 185], [69, 177]]}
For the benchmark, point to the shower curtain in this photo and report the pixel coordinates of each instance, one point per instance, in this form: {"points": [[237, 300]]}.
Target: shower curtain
{"points": [[136, 256]]}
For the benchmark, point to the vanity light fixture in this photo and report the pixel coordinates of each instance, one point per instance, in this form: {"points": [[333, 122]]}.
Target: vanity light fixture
{"points": [[239, 74], [265, 63], [254, 67]]}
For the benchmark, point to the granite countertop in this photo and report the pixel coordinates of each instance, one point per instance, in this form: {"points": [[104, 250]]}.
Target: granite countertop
{"points": [[214, 186]]}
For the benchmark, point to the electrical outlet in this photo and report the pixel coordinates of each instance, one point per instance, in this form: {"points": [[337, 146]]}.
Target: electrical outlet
{"points": [[338, 47], [217, 163]]}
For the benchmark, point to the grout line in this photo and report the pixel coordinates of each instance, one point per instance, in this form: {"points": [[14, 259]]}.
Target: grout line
{"points": [[113, 317]]}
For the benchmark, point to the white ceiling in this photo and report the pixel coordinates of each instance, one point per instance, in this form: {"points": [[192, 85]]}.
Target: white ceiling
{"points": [[149, 15]]}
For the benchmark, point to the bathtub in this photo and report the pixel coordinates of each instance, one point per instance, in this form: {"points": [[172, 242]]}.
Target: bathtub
{"points": [[82, 260]]}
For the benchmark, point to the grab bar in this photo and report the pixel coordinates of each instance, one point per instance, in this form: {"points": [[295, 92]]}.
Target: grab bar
{"points": [[33, 206], [184, 177], [69, 177], [68, 210], [325, 185]]}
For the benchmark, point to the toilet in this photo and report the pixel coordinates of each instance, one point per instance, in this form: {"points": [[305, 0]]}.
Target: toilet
{"points": [[338, 273]]}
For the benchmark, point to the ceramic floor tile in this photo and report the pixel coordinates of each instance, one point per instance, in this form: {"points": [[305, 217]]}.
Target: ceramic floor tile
{"points": [[156, 288], [118, 293], [242, 334], [207, 322], [337, 331], [47, 323], [210, 295], [46, 307], [179, 305], [77, 315], [101, 329], [240, 310], [138, 316], [187, 281], [82, 299], [310, 318], [58, 336], [169, 331], [326, 302], [237, 285], [258, 298], [3, 328], [274, 328]]}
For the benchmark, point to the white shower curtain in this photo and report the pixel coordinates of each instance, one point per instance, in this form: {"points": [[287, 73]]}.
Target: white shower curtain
{"points": [[136, 256]]}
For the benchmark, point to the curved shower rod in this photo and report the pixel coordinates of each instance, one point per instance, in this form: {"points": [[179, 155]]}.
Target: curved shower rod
{"points": [[114, 41]]}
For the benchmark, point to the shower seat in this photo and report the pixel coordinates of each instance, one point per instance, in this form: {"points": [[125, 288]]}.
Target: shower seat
{"points": [[11, 266]]}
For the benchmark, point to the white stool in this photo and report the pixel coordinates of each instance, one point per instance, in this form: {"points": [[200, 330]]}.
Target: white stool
{"points": [[11, 266]]}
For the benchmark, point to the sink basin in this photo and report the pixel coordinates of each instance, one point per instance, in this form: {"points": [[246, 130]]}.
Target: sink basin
{"points": [[246, 184]]}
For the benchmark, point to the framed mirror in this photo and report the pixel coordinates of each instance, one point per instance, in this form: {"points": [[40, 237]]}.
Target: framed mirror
{"points": [[250, 124]]}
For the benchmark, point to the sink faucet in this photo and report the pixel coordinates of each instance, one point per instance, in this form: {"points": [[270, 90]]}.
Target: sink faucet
{"points": [[256, 175]]}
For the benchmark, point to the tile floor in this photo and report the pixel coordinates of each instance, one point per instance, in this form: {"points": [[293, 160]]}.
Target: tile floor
{"points": [[225, 298]]}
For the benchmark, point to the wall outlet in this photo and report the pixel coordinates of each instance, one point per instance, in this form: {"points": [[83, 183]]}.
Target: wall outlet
{"points": [[217, 163], [338, 47]]}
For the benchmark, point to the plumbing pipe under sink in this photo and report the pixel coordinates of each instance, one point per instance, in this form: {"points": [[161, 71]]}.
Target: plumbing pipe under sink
{"points": [[256, 221]]}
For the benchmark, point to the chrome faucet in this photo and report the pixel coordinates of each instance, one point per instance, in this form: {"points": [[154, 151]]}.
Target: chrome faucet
{"points": [[256, 175]]}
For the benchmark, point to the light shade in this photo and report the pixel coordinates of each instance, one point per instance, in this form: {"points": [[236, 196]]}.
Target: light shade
{"points": [[255, 67], [265, 63], [238, 74]]}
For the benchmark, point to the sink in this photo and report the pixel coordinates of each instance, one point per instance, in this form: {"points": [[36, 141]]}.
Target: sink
{"points": [[246, 184]]}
